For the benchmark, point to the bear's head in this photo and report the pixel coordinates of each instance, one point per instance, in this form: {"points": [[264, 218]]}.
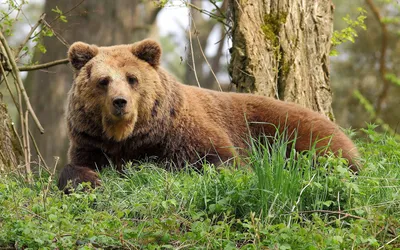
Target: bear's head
{"points": [[117, 84]]}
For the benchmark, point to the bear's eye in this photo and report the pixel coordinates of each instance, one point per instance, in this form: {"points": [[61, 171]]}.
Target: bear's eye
{"points": [[104, 82], [131, 80]]}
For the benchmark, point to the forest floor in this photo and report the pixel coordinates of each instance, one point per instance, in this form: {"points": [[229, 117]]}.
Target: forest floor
{"points": [[278, 202]]}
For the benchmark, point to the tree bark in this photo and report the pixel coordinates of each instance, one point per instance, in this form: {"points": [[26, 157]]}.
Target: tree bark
{"points": [[99, 22], [281, 49]]}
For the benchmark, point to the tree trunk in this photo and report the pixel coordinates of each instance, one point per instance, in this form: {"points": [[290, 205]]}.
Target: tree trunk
{"points": [[281, 49], [10, 149], [100, 22]]}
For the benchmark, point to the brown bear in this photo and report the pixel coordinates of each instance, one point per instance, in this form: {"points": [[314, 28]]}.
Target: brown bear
{"points": [[123, 106]]}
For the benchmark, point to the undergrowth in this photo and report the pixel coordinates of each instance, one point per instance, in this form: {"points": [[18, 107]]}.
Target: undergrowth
{"points": [[277, 202]]}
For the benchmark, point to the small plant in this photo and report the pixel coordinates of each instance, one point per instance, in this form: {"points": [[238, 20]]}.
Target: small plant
{"points": [[349, 33]]}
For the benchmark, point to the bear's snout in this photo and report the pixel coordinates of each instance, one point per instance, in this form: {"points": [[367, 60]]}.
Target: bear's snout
{"points": [[119, 104]]}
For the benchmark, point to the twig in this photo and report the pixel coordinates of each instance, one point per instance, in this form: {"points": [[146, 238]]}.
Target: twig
{"points": [[28, 150], [390, 241], [44, 65], [205, 58], [382, 63], [334, 212], [46, 167], [68, 11], [192, 55], [30, 34], [19, 81], [218, 8], [208, 13], [58, 36], [32, 213]]}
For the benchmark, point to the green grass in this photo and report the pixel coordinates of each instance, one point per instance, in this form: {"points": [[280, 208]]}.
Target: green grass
{"points": [[277, 202]]}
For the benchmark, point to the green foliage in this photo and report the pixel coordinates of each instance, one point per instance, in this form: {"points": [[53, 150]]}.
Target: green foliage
{"points": [[393, 79], [7, 20], [280, 203], [349, 33], [61, 16]]}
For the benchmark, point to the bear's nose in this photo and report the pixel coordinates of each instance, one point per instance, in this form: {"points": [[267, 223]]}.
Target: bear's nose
{"points": [[119, 102]]}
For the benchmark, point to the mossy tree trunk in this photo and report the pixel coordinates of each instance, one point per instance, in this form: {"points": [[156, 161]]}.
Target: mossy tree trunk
{"points": [[99, 22], [281, 49]]}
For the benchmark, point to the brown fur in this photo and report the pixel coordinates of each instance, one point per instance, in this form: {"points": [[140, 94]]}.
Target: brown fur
{"points": [[169, 120]]}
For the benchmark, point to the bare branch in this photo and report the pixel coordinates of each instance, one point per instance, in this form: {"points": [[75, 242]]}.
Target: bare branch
{"points": [[44, 65], [205, 58], [208, 13], [28, 150]]}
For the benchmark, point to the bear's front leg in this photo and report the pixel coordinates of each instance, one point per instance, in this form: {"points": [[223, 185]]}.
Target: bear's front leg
{"points": [[84, 161], [77, 174]]}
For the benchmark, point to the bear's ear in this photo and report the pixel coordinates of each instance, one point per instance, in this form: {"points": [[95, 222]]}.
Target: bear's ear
{"points": [[80, 53], [149, 51]]}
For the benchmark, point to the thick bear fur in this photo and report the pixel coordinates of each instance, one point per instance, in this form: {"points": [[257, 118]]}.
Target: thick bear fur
{"points": [[161, 118]]}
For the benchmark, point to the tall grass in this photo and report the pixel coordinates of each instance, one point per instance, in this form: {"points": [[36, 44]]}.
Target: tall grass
{"points": [[291, 181]]}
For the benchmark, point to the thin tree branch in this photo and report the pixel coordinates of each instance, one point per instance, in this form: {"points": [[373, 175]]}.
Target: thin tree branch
{"points": [[28, 150], [208, 13], [382, 63], [30, 34], [205, 58], [65, 13], [38, 151], [58, 36], [68, 11], [223, 6], [191, 51], [19, 81], [44, 65]]}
